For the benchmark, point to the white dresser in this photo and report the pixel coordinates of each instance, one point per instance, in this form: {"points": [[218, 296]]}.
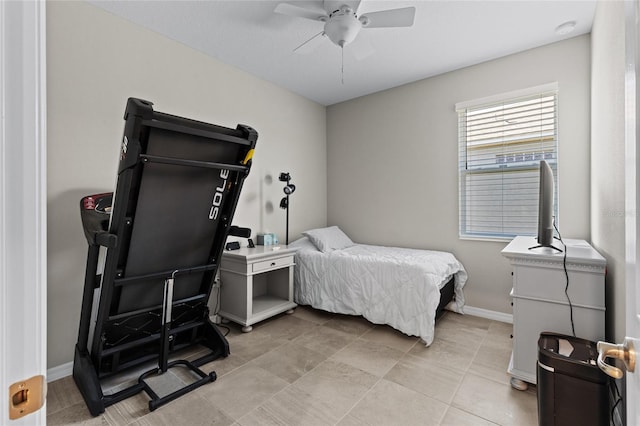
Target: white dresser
{"points": [[540, 303], [256, 284]]}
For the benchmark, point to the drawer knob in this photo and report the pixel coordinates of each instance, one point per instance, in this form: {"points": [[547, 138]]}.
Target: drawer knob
{"points": [[273, 263]]}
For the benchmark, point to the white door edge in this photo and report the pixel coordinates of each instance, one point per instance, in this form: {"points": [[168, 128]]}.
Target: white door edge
{"points": [[632, 207], [23, 197]]}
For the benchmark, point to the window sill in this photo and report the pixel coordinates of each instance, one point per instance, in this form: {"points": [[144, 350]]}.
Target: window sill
{"points": [[487, 239]]}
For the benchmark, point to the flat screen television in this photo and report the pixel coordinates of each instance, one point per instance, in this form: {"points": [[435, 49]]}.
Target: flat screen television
{"points": [[545, 207]]}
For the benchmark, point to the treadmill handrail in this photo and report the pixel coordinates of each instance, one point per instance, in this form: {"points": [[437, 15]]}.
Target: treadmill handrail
{"points": [[194, 131], [106, 239], [164, 274], [192, 163]]}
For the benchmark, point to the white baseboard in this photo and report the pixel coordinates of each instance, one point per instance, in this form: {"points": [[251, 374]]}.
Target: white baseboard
{"points": [[60, 371], [485, 313]]}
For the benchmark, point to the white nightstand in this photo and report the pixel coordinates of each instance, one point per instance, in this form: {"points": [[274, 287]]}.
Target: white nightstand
{"points": [[256, 284]]}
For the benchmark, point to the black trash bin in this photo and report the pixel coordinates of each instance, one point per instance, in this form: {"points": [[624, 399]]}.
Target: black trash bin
{"points": [[572, 390]]}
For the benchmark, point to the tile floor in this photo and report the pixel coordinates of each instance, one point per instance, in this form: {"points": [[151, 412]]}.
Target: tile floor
{"points": [[317, 368]]}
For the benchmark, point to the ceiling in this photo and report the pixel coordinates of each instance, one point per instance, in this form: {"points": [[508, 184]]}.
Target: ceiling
{"points": [[446, 35]]}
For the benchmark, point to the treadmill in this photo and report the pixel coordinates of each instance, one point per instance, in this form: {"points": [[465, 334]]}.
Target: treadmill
{"points": [[154, 247]]}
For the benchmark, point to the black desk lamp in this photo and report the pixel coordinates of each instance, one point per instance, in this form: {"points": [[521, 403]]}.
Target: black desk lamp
{"points": [[284, 203]]}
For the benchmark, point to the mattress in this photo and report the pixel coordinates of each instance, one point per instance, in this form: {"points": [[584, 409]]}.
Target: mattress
{"points": [[396, 286]]}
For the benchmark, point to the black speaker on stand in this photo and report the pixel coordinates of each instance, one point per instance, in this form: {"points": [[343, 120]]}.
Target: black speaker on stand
{"points": [[284, 203]]}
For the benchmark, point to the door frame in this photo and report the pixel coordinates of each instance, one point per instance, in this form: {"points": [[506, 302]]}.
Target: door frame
{"points": [[23, 199], [632, 199]]}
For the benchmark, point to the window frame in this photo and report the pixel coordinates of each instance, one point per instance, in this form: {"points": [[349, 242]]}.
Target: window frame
{"points": [[501, 169]]}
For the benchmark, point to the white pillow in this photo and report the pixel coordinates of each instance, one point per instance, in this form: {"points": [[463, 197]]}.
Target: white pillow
{"points": [[329, 239], [303, 244]]}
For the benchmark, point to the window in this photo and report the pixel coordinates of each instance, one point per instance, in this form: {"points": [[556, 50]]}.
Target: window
{"points": [[501, 142]]}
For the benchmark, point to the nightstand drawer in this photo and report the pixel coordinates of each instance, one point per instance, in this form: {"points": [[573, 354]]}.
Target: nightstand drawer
{"points": [[272, 263]]}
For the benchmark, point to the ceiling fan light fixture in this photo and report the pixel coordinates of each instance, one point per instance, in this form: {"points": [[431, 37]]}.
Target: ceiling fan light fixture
{"points": [[342, 29], [341, 21]]}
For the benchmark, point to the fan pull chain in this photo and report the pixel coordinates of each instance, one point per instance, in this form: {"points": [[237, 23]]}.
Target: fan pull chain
{"points": [[342, 65]]}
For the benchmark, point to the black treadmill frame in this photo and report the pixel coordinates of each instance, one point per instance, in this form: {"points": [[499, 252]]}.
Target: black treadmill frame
{"points": [[109, 221]]}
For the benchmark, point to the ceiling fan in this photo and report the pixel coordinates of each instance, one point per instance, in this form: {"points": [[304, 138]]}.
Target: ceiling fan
{"points": [[341, 21]]}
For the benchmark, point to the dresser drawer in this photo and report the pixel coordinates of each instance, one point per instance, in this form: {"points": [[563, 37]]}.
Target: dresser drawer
{"points": [[265, 265], [548, 282]]}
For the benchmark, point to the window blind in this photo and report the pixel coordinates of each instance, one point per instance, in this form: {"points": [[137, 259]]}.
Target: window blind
{"points": [[501, 143]]}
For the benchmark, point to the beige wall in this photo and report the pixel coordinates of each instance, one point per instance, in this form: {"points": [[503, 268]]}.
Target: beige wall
{"points": [[392, 160], [607, 156], [392, 156], [95, 61]]}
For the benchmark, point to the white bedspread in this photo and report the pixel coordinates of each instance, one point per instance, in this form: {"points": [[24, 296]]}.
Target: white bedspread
{"points": [[386, 285]]}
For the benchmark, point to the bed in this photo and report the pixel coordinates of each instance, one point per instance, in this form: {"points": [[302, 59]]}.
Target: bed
{"points": [[400, 287]]}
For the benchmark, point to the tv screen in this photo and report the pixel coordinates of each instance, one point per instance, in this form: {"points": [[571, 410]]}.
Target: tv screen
{"points": [[545, 207]]}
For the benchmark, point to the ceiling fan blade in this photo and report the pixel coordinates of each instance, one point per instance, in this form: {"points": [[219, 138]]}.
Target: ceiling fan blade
{"points": [[310, 45], [402, 17], [310, 11]]}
